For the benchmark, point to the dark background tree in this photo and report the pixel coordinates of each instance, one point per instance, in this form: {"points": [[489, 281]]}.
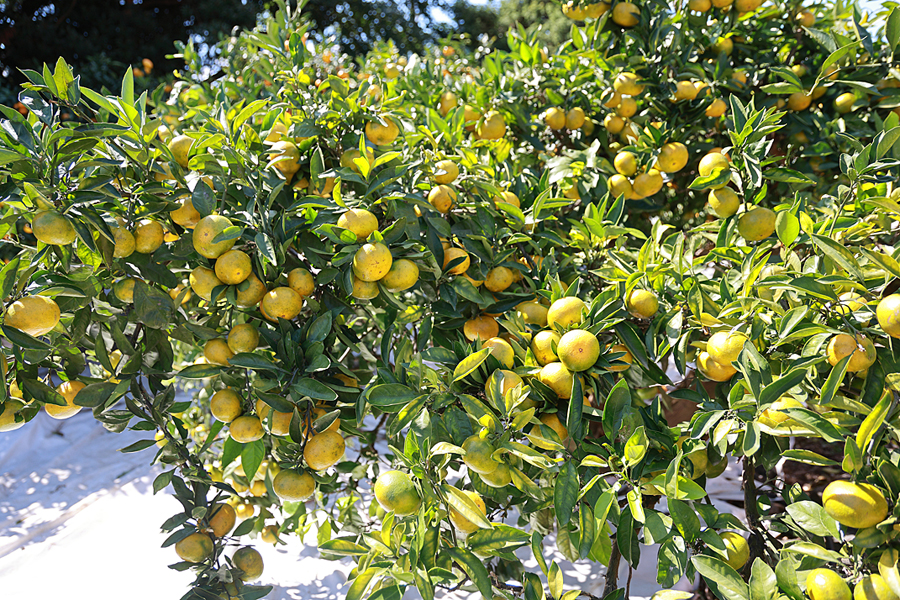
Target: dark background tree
{"points": [[358, 24], [555, 26], [474, 21], [495, 18], [100, 38]]}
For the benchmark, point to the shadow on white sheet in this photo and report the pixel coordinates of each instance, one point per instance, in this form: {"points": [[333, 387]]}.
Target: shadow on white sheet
{"points": [[75, 514]]}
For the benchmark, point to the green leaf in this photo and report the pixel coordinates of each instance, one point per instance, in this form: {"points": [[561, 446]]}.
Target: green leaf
{"points": [[423, 580], [586, 530], [464, 505], [811, 286], [717, 178], [252, 455], [162, 481], [786, 572], [888, 138], [244, 528], [892, 29], [555, 580], [627, 540], [228, 234], [812, 517], [721, 578], [537, 549], [780, 386], [343, 547], [389, 592], [814, 550], [42, 392], [785, 175], [839, 254], [255, 592], [575, 412], [887, 568], [266, 247], [247, 112], [763, 583], [565, 492], [128, 87], [833, 382], [527, 454], [787, 226], [446, 448], [873, 422], [20, 338], [230, 451], [884, 261], [8, 277], [319, 329], [256, 362], [137, 446], [152, 306], [203, 198], [199, 371], [617, 404], [499, 537], [685, 519], [751, 439], [636, 447], [95, 394], [474, 568], [468, 365], [314, 389], [809, 457], [817, 423], [853, 457], [687, 489], [837, 55], [635, 504], [390, 396]]}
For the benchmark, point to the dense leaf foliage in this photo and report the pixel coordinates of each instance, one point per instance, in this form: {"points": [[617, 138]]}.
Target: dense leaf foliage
{"points": [[481, 280]]}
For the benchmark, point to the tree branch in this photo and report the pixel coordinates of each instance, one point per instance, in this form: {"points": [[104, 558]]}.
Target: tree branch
{"points": [[518, 589], [612, 573], [756, 543]]}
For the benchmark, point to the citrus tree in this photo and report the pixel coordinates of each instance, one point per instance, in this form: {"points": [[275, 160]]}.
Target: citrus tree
{"points": [[438, 307]]}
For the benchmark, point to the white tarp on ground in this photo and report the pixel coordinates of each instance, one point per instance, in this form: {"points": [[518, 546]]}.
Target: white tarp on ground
{"points": [[76, 516]]}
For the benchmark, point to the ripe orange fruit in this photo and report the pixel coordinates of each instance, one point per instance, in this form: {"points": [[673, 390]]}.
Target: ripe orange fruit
{"points": [[372, 262], [481, 327], [294, 486], [642, 304], [578, 350], [246, 429], [324, 450], [395, 491], [565, 311], [194, 548], [360, 221], [249, 561], [501, 350], [69, 390], [221, 519], [206, 231], [857, 505], [35, 315], [861, 348], [825, 584]]}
